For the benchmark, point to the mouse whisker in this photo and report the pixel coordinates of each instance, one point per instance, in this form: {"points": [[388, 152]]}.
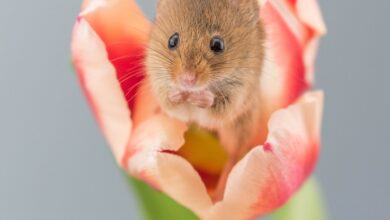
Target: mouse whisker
{"points": [[141, 91], [130, 76], [130, 90], [127, 57], [137, 93], [163, 60], [135, 67], [161, 54], [132, 73]]}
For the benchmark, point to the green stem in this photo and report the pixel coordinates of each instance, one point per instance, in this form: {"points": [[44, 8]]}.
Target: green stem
{"points": [[158, 206]]}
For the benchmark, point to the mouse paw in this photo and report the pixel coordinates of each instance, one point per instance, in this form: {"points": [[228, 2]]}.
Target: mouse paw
{"points": [[177, 96], [204, 99]]}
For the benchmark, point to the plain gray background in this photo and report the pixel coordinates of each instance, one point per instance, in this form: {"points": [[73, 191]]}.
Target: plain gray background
{"points": [[54, 163]]}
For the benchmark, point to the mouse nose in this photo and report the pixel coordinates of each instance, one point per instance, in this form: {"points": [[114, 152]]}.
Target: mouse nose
{"points": [[187, 79]]}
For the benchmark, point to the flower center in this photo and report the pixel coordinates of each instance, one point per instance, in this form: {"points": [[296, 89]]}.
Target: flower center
{"points": [[203, 150]]}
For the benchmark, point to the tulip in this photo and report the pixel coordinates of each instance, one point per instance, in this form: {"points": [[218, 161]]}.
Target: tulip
{"points": [[185, 163]]}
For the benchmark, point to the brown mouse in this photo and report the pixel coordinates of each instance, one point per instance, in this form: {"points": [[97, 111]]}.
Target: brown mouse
{"points": [[204, 61]]}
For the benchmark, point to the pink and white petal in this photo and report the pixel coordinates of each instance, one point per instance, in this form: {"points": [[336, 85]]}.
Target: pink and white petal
{"points": [[288, 15], [153, 159], [268, 175], [124, 29], [310, 14], [283, 79], [98, 79], [293, 29]]}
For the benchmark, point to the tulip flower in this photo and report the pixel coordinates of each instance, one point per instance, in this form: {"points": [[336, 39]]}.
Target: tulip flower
{"points": [[185, 163]]}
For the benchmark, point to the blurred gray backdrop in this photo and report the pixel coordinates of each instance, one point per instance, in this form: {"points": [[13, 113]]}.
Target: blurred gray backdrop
{"points": [[55, 164]]}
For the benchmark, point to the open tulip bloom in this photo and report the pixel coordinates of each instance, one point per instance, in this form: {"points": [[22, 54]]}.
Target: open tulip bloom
{"points": [[185, 163]]}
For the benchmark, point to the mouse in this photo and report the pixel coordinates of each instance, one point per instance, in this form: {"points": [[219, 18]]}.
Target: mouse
{"points": [[204, 63]]}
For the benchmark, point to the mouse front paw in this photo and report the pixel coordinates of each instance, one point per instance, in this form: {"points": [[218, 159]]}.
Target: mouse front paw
{"points": [[177, 96], [204, 99]]}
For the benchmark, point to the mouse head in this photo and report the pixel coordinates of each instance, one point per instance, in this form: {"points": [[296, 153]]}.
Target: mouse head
{"points": [[204, 44]]}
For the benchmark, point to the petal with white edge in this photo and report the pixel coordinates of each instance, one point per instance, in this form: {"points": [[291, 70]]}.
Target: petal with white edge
{"points": [[98, 79], [124, 29], [153, 159]]}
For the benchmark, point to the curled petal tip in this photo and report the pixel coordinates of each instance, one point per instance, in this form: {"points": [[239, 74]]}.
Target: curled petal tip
{"points": [[92, 5], [310, 13]]}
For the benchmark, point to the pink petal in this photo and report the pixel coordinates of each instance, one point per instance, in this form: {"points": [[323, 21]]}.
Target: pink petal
{"points": [[310, 14], [293, 28], [268, 175], [124, 29], [153, 146], [150, 155], [98, 79], [283, 79], [181, 181]]}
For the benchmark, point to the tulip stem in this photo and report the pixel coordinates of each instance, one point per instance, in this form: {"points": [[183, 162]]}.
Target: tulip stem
{"points": [[156, 205]]}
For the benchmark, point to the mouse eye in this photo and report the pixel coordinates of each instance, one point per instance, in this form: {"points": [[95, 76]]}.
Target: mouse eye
{"points": [[217, 45], [173, 41]]}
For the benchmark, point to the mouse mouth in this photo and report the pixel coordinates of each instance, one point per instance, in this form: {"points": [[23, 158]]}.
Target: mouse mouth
{"points": [[197, 96]]}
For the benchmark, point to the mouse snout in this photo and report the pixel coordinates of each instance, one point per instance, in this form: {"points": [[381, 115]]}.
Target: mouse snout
{"points": [[187, 79]]}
